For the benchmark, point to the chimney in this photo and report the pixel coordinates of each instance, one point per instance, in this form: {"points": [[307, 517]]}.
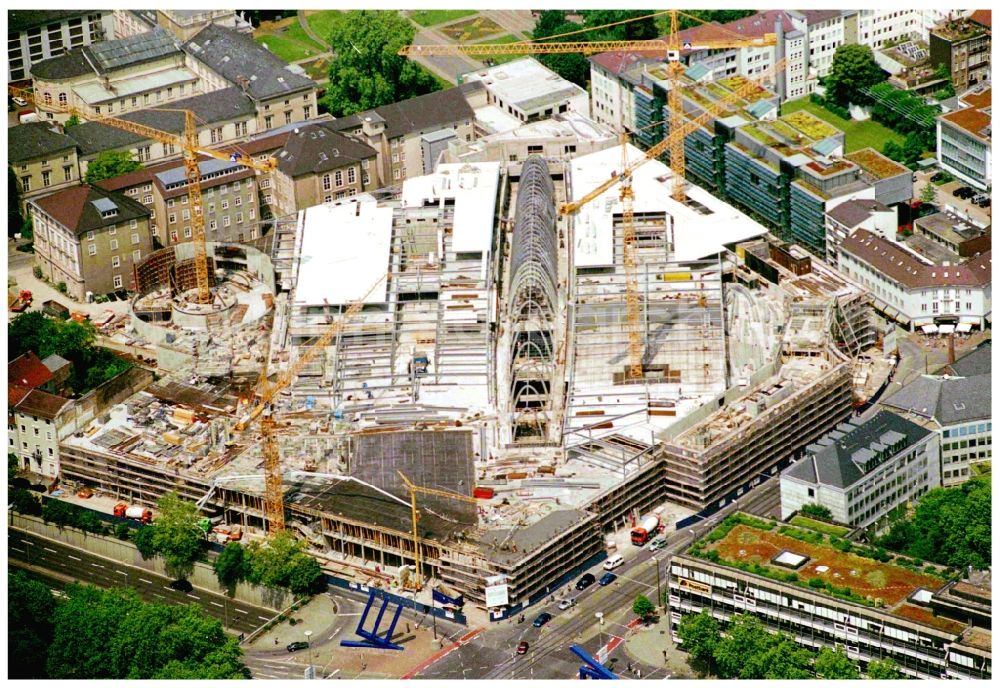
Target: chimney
{"points": [[779, 52]]}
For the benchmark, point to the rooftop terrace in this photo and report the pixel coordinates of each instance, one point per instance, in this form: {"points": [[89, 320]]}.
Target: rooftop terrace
{"points": [[831, 567]]}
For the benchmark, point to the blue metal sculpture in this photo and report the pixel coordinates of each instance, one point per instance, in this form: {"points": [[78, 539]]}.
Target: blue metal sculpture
{"points": [[591, 667], [371, 639]]}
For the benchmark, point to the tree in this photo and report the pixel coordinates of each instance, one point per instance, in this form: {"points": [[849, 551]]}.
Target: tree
{"points": [[700, 633], [690, 18], [929, 193], [948, 89], [85, 626], [230, 565], [782, 660], [305, 575], [30, 606], [367, 71], [71, 122], [570, 66], [643, 607], [835, 664], [12, 468], [913, 149], [282, 562], [816, 510], [110, 164], [143, 541], [743, 642], [893, 151], [883, 669], [14, 218], [853, 68], [176, 535], [59, 512], [643, 29], [24, 502]]}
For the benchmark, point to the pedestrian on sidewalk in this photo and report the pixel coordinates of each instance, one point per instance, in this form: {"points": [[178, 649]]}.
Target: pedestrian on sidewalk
{"points": [[275, 641]]}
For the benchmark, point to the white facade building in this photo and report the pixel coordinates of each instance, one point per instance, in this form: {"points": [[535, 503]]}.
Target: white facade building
{"points": [[859, 213], [964, 140], [530, 91], [861, 472]]}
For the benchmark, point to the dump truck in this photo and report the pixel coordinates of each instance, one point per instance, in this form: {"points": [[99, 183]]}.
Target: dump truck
{"points": [[136, 513], [649, 527]]}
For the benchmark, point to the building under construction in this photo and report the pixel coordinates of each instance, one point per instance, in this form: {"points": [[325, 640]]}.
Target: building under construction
{"points": [[490, 358]]}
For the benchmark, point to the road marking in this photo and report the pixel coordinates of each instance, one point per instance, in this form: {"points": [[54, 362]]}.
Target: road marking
{"points": [[167, 587], [334, 673], [215, 603], [17, 550], [156, 594], [124, 573], [241, 611], [264, 618], [335, 633], [147, 582], [100, 566], [194, 596], [47, 549], [74, 558]]}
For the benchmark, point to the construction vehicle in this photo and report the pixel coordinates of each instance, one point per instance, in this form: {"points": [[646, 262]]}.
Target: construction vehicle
{"points": [[649, 527], [417, 580], [187, 143], [21, 301], [674, 142], [136, 513], [267, 392]]}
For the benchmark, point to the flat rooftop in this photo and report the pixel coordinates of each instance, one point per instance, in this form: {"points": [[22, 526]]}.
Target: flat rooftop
{"points": [[345, 246], [526, 84], [869, 581], [701, 227], [96, 92], [950, 227]]}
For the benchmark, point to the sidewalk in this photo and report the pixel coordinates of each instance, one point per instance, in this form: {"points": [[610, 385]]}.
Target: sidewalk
{"points": [[319, 615], [653, 647]]}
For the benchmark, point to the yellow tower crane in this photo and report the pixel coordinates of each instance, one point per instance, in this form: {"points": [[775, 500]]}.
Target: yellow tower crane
{"points": [[414, 489], [673, 143], [187, 142], [267, 391]]}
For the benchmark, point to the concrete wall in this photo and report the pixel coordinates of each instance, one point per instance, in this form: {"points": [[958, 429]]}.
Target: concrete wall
{"points": [[203, 576]]}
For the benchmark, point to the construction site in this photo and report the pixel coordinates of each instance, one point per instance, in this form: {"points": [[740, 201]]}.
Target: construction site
{"points": [[475, 378]]}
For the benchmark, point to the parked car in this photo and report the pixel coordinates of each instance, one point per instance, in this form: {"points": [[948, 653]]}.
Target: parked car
{"points": [[962, 192], [18, 101], [541, 619], [658, 543], [522, 647], [297, 645], [567, 603], [607, 579], [985, 203], [181, 585], [586, 580]]}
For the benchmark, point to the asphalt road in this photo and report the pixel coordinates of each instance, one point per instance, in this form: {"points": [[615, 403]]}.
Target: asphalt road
{"points": [[491, 655], [68, 564]]}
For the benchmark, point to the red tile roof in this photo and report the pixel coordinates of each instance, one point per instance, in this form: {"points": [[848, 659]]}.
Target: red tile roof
{"points": [[28, 371], [14, 394], [618, 62], [41, 404], [984, 17], [906, 269]]}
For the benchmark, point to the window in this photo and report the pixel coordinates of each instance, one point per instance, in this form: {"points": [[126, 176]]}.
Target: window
{"points": [[92, 249], [326, 182], [116, 262], [118, 281], [288, 116], [395, 156], [90, 235], [338, 178], [186, 214], [147, 199], [135, 238], [112, 230], [136, 256], [212, 225], [395, 174], [306, 111], [365, 179], [267, 121], [968, 305], [171, 218], [225, 205], [67, 173], [351, 178], [225, 221], [216, 135], [239, 218], [132, 224], [145, 99], [211, 208], [25, 183], [238, 200], [114, 245], [265, 183], [46, 178], [251, 214], [187, 232]]}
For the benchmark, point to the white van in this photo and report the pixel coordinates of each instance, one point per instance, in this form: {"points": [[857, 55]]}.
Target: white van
{"points": [[614, 562]]}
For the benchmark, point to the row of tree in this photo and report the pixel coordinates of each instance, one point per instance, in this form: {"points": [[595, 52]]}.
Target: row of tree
{"points": [[74, 341], [111, 634], [281, 562], [950, 526], [744, 649]]}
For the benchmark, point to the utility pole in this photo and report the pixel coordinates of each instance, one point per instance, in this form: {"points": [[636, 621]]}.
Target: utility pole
{"points": [[659, 595]]}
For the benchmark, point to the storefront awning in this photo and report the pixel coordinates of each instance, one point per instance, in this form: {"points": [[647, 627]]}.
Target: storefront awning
{"points": [[929, 329], [920, 322], [963, 327], [946, 329]]}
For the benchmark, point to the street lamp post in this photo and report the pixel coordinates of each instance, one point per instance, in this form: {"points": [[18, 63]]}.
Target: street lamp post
{"points": [[308, 635], [659, 594]]}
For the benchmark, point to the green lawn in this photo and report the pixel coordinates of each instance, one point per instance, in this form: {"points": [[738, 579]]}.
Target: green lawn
{"points": [[322, 23], [868, 134], [287, 49], [827, 528], [435, 17]]}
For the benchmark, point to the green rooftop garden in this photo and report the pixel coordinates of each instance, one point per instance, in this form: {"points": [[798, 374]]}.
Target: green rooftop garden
{"points": [[810, 125]]}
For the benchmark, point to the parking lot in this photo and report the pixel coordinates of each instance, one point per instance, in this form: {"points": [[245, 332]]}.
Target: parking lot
{"points": [[946, 199]]}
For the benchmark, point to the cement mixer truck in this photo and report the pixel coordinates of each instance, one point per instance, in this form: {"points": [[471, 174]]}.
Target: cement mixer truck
{"points": [[646, 530], [137, 513]]}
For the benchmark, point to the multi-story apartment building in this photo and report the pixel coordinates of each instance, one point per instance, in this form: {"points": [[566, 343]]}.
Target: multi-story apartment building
{"points": [[115, 77], [36, 35], [869, 609], [89, 238], [862, 471], [611, 95], [964, 139], [34, 413], [963, 46], [221, 117], [825, 31], [914, 291], [860, 213], [956, 404], [224, 58], [397, 131], [319, 165], [44, 159]]}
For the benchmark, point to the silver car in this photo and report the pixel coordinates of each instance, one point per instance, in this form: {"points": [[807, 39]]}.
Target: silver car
{"points": [[567, 603], [658, 543]]}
